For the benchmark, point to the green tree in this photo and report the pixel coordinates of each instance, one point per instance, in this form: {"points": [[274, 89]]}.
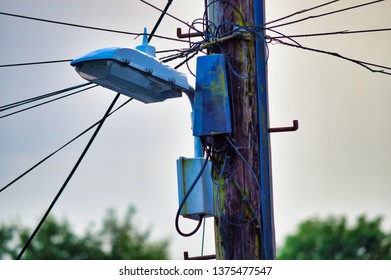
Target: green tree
{"points": [[124, 241], [8, 233], [116, 239], [333, 239]]}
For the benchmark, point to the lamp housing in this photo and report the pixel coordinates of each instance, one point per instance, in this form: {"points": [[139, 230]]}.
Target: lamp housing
{"points": [[133, 73]]}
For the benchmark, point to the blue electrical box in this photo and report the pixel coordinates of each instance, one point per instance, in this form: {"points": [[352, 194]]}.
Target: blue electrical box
{"points": [[211, 103]]}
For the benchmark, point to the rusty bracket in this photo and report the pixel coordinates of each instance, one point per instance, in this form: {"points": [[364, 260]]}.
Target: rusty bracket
{"points": [[286, 129], [206, 257], [179, 34]]}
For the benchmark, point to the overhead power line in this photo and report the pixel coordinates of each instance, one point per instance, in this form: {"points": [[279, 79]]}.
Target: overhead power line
{"points": [[328, 13], [68, 178], [375, 68], [301, 12], [46, 102], [342, 32], [87, 27], [59, 149], [36, 98], [174, 17], [164, 12], [70, 24]]}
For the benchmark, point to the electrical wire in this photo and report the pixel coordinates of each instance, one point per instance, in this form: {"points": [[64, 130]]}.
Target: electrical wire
{"points": [[229, 4], [256, 33], [59, 149], [69, 24], [206, 16], [160, 10], [35, 63], [327, 14], [184, 200], [375, 68], [40, 97], [68, 178], [171, 50], [342, 32], [88, 27], [187, 60], [46, 102], [270, 38], [169, 2], [301, 12], [367, 65], [255, 213], [194, 48], [213, 37]]}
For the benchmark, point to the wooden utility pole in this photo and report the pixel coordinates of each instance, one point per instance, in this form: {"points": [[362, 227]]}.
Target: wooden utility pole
{"points": [[244, 226]]}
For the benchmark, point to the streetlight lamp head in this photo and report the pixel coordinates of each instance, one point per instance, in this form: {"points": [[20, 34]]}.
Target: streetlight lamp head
{"points": [[133, 73]]}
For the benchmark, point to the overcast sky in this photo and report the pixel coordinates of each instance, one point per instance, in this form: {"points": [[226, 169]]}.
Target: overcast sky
{"points": [[339, 162]]}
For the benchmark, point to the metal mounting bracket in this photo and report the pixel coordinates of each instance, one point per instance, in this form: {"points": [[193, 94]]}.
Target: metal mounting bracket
{"points": [[179, 34], [286, 128], [206, 257]]}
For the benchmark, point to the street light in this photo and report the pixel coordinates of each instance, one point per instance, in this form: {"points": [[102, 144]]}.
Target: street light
{"points": [[133, 73], [138, 74]]}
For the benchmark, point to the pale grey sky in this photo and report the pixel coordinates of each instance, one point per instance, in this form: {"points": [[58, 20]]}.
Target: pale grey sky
{"points": [[339, 161]]}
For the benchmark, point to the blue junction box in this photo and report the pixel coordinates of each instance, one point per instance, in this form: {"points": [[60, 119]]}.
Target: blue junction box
{"points": [[211, 105]]}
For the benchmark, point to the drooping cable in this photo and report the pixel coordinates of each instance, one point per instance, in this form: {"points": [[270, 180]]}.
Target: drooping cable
{"points": [[169, 2], [59, 149], [244, 160], [46, 102], [68, 178], [255, 212], [184, 200], [281, 35], [375, 68]]}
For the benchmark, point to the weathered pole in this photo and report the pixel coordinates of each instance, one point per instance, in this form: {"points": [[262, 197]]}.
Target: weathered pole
{"points": [[244, 226]]}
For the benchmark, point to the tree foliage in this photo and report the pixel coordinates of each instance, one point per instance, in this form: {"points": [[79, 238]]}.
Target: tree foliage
{"points": [[116, 239], [333, 239]]}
